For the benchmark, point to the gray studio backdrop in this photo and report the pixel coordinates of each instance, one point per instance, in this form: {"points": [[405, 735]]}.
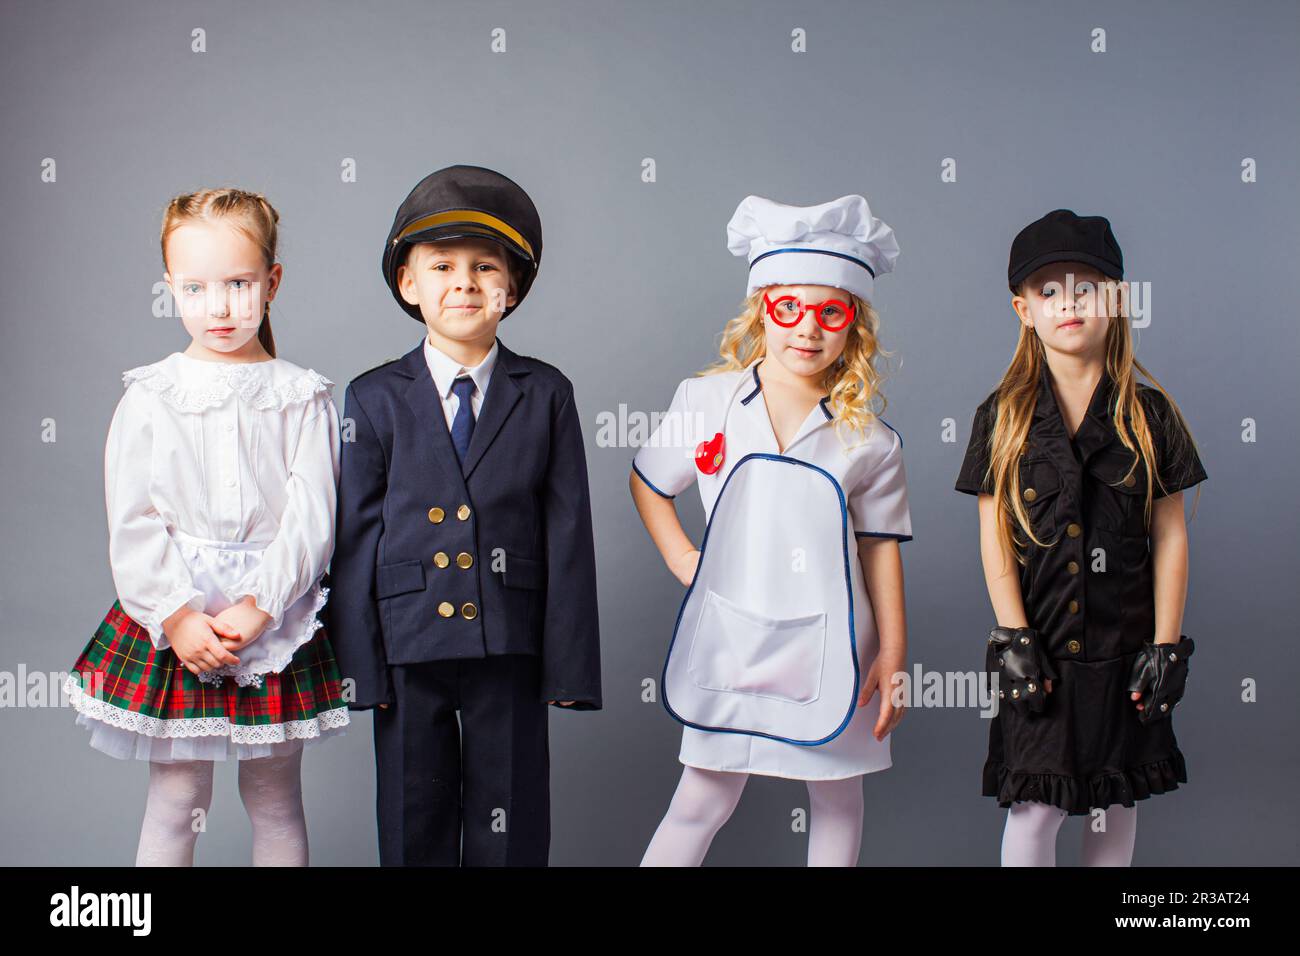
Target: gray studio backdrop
{"points": [[635, 285]]}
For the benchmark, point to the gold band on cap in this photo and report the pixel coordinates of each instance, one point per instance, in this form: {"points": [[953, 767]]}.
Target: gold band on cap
{"points": [[467, 215]]}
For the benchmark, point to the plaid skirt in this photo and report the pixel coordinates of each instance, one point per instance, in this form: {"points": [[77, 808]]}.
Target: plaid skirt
{"points": [[141, 702]]}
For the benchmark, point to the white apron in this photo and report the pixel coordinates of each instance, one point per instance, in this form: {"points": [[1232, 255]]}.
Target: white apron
{"points": [[765, 642], [215, 566], [773, 557]]}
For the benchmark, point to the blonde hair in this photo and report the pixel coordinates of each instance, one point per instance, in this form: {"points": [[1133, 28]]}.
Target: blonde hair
{"points": [[852, 380], [1014, 403], [250, 213]]}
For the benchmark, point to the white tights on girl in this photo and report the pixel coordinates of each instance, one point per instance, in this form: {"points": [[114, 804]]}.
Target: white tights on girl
{"points": [[270, 787], [1030, 836], [705, 799]]}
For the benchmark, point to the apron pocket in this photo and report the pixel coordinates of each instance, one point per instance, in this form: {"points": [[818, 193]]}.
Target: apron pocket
{"points": [[736, 650]]}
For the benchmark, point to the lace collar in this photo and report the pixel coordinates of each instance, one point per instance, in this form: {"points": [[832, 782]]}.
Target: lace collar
{"points": [[192, 385]]}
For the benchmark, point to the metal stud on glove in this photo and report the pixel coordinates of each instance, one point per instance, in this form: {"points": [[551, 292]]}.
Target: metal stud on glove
{"points": [[1023, 666], [1159, 674]]}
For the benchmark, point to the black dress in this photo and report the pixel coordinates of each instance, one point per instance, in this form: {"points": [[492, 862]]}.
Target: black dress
{"points": [[1090, 596]]}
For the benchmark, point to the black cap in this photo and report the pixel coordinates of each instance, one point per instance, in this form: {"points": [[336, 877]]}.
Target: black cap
{"points": [[462, 202], [1061, 236]]}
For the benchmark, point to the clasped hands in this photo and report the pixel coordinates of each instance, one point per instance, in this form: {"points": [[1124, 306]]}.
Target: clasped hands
{"points": [[204, 642]]}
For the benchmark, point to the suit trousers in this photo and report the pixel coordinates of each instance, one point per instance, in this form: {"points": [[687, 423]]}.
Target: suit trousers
{"points": [[473, 792]]}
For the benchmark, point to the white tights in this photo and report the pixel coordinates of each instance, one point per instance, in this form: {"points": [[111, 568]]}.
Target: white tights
{"points": [[1030, 836], [705, 799], [271, 790]]}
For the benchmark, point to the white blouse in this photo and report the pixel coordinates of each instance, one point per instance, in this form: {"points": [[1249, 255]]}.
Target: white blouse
{"points": [[232, 456]]}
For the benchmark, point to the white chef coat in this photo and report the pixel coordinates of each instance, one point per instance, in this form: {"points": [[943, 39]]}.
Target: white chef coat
{"points": [[221, 482], [445, 370], [869, 470]]}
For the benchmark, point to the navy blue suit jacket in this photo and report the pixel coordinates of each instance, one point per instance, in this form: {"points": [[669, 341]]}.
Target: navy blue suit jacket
{"points": [[410, 517]]}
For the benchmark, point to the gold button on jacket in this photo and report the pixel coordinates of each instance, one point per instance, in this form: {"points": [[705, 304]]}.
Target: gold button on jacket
{"points": [[468, 611], [464, 560], [441, 559], [446, 609], [1073, 647], [1030, 494], [1073, 530], [463, 512], [436, 515]]}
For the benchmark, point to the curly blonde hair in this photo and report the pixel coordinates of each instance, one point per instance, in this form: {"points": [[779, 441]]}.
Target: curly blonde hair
{"points": [[852, 381]]}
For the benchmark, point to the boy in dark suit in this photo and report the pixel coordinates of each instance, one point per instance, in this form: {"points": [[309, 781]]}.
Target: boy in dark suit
{"points": [[463, 578]]}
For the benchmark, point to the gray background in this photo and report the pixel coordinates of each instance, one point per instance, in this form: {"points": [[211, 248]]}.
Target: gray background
{"points": [[635, 285]]}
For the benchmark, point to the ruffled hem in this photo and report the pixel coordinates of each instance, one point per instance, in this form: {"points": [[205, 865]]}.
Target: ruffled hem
{"points": [[127, 745], [250, 675], [125, 733], [244, 380], [1079, 795]]}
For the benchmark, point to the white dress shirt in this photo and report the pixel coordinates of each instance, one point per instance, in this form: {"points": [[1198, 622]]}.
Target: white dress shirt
{"points": [[445, 370], [220, 482]]}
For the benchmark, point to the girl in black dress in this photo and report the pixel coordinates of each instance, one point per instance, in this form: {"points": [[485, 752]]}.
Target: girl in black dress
{"points": [[1079, 469]]}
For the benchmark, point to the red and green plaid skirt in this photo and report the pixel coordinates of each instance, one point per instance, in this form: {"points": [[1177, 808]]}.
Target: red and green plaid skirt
{"points": [[142, 702]]}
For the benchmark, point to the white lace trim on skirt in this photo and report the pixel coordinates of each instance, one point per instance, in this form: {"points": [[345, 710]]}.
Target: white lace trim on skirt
{"points": [[125, 733]]}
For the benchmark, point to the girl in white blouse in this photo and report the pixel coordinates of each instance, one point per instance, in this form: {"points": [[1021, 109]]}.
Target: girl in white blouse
{"points": [[220, 474]]}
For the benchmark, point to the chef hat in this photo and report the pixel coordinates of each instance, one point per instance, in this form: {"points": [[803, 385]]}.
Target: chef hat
{"points": [[838, 243]]}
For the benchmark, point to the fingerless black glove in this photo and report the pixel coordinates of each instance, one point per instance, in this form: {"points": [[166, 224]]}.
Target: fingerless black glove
{"points": [[1024, 665], [1160, 674]]}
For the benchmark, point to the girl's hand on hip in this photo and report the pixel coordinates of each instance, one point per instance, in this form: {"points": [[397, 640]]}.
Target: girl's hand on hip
{"points": [[685, 567]]}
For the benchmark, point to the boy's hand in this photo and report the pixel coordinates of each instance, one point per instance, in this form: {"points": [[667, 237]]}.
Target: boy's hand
{"points": [[244, 621], [196, 639]]}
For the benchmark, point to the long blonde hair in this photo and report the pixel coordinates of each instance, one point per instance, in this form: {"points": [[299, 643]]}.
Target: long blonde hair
{"points": [[1017, 395], [250, 213], [852, 381]]}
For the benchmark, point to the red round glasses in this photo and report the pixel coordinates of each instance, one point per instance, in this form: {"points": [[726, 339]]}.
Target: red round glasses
{"points": [[787, 312]]}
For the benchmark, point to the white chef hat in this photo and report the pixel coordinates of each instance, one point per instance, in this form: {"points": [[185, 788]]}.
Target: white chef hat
{"points": [[838, 243]]}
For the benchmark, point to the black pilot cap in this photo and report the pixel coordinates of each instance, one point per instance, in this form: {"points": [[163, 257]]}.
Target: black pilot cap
{"points": [[462, 202], [1061, 236]]}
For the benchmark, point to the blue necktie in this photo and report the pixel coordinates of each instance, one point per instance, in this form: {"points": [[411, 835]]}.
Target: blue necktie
{"points": [[462, 426]]}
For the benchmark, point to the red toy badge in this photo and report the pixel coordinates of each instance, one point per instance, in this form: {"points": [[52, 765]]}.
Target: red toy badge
{"points": [[709, 455]]}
